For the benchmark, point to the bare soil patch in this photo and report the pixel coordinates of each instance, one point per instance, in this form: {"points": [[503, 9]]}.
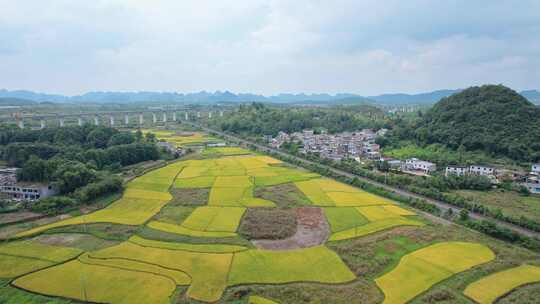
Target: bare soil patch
{"points": [[312, 230], [13, 217], [82, 241], [9, 231], [189, 197], [268, 223]]}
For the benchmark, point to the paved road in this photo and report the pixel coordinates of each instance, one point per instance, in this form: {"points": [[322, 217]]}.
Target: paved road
{"points": [[443, 206]]}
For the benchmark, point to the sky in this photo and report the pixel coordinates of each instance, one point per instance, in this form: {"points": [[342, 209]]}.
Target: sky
{"points": [[268, 47]]}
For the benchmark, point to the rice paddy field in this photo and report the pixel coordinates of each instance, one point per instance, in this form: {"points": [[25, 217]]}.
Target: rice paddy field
{"points": [[181, 139], [173, 237]]}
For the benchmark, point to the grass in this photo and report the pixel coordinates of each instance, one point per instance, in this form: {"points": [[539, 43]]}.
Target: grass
{"points": [[376, 213], [208, 271], [421, 269], [488, 289], [101, 284], [268, 223], [233, 182], [510, 202], [13, 266], [160, 235], [173, 214], [104, 231], [343, 218], [36, 250], [315, 264], [283, 195]]}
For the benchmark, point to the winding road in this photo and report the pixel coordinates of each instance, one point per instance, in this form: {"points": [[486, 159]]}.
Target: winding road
{"points": [[442, 205]]}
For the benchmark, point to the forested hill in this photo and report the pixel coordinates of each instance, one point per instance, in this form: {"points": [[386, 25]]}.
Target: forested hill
{"points": [[491, 118]]}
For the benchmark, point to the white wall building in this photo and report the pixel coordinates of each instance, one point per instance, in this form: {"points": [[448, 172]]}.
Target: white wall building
{"points": [[456, 170], [481, 170], [27, 191], [420, 165], [535, 168]]}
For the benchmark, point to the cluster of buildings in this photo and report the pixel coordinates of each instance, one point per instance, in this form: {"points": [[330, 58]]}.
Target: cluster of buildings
{"points": [[532, 183], [356, 145], [10, 189]]}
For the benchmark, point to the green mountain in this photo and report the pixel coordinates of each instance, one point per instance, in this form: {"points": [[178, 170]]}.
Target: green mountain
{"points": [[490, 118]]}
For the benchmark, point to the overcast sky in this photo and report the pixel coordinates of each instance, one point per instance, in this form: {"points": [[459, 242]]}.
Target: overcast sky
{"points": [[364, 47]]}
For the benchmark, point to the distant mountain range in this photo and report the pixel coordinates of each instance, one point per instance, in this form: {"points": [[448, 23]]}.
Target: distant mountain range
{"points": [[226, 96]]}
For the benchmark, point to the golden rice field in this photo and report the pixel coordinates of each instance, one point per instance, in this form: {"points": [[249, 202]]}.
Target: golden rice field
{"points": [[488, 289], [203, 256], [181, 138], [421, 269]]}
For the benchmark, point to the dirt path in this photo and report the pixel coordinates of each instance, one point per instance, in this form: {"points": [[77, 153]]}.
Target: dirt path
{"points": [[312, 230]]}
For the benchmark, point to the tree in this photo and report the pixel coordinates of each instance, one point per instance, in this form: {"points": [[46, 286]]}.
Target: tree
{"points": [[122, 138], [72, 175], [464, 215], [34, 170]]}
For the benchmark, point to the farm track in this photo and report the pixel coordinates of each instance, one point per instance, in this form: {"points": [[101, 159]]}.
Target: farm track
{"points": [[443, 206]]}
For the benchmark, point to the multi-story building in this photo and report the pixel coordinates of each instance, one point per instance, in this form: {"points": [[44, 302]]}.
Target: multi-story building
{"points": [[481, 170], [535, 168], [456, 170], [27, 191], [416, 164]]}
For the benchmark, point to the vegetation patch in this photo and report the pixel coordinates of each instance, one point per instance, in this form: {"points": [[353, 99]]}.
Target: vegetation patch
{"points": [[283, 195], [224, 219], [260, 300], [421, 269], [173, 214], [208, 271], [264, 223], [314, 193], [105, 231], [205, 248], [343, 218], [101, 284], [315, 264], [488, 289], [189, 197], [194, 182], [373, 227], [172, 228]]}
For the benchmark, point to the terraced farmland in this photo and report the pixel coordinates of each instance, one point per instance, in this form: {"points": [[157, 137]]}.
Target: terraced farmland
{"points": [[180, 244]]}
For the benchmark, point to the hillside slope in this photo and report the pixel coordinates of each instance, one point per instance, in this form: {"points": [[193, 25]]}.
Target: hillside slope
{"points": [[491, 118]]}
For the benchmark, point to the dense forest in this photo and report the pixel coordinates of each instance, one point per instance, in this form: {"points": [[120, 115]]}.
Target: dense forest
{"points": [[260, 119], [492, 118], [76, 160]]}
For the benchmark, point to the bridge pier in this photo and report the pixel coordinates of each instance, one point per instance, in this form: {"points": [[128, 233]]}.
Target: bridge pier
{"points": [[186, 116], [174, 116], [141, 121], [209, 115], [79, 121], [198, 114], [42, 124], [61, 122], [126, 119], [20, 123], [96, 120], [111, 120], [164, 116], [220, 113], [154, 118]]}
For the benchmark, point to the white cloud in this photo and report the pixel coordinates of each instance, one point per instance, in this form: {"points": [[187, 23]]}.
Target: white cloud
{"points": [[268, 47]]}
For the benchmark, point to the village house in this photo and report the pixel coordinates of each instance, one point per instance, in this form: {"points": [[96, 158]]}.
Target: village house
{"points": [[482, 170], [27, 191], [415, 164], [535, 168], [456, 170]]}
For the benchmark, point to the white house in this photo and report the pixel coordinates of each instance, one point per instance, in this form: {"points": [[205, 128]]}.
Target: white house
{"points": [[456, 170], [535, 168], [27, 191], [532, 187], [420, 165], [481, 170]]}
